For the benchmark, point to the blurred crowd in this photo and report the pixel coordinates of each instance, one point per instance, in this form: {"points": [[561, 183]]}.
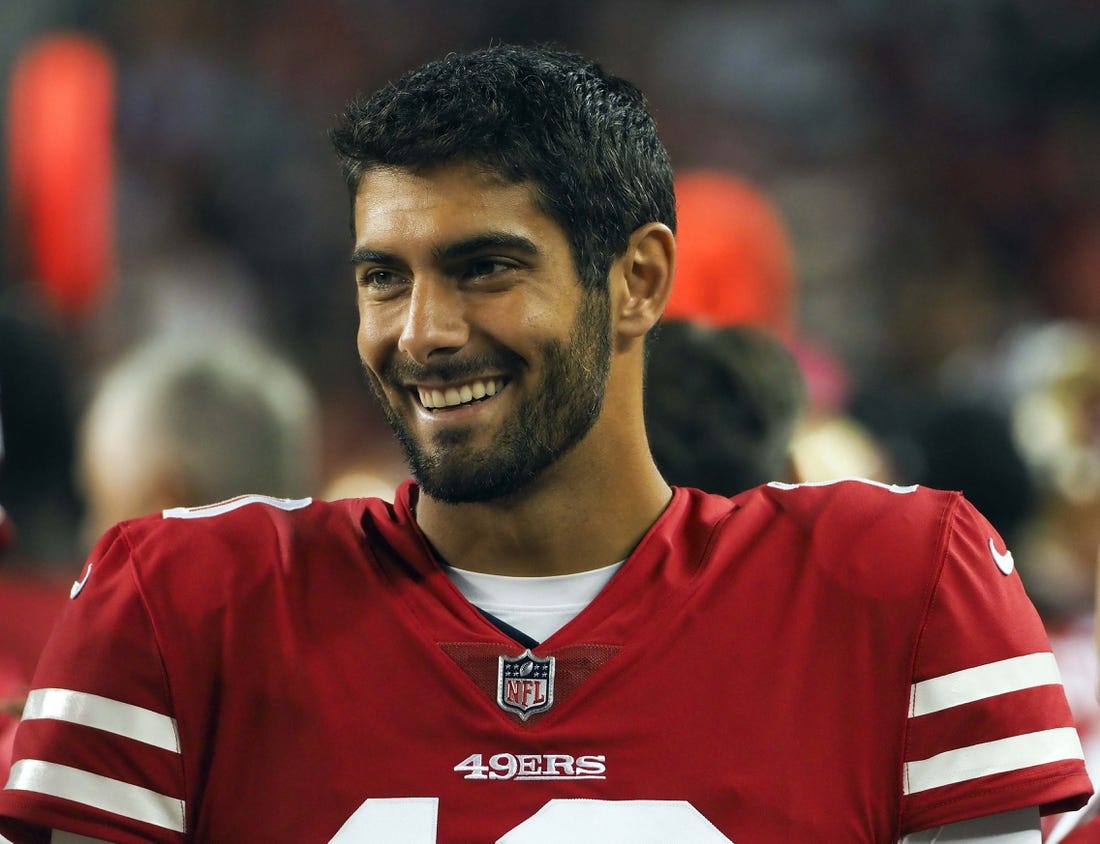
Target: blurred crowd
{"points": [[903, 199]]}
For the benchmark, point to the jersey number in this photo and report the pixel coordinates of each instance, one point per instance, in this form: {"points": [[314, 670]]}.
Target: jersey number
{"points": [[412, 820]]}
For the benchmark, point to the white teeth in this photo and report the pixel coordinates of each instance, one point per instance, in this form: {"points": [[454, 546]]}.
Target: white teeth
{"points": [[433, 399]]}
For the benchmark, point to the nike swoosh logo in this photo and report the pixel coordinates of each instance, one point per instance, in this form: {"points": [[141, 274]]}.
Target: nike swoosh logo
{"points": [[78, 585], [1004, 561]]}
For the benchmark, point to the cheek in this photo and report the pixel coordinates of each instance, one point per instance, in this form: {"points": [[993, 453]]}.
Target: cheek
{"points": [[516, 321], [363, 342], [371, 338]]}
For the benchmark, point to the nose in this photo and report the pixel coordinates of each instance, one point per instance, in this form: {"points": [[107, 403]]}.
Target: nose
{"points": [[435, 320]]}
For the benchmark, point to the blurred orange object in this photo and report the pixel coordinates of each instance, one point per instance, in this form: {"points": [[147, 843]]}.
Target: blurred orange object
{"points": [[734, 262], [61, 166]]}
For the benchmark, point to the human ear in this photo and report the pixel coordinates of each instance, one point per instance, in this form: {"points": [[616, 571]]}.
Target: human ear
{"points": [[642, 278]]}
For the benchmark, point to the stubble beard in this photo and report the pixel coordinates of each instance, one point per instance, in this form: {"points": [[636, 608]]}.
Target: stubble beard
{"points": [[563, 409]]}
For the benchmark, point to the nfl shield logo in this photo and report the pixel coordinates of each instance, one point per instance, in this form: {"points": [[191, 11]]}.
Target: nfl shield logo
{"points": [[525, 684]]}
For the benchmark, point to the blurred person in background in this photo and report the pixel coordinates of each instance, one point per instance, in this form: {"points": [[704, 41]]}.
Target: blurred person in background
{"points": [[175, 423], [721, 406], [1050, 373], [736, 266], [514, 246], [735, 261]]}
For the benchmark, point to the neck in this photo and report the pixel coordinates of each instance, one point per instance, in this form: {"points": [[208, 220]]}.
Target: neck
{"points": [[586, 511]]}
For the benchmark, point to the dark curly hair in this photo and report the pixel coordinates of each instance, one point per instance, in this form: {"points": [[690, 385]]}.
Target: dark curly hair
{"points": [[583, 138]]}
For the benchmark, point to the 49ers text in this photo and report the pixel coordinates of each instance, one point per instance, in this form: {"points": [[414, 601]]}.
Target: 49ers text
{"points": [[533, 766]]}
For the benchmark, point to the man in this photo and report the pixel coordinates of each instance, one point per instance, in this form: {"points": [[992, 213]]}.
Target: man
{"points": [[620, 662]]}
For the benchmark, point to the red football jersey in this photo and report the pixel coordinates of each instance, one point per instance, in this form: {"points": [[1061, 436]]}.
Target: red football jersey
{"points": [[829, 663]]}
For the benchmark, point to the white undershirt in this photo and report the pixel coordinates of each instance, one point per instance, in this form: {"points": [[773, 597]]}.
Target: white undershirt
{"points": [[539, 606]]}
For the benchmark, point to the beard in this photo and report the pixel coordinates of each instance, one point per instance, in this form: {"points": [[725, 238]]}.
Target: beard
{"points": [[564, 406]]}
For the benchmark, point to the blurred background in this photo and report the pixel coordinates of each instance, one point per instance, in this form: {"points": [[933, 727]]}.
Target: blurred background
{"points": [[931, 169], [908, 194]]}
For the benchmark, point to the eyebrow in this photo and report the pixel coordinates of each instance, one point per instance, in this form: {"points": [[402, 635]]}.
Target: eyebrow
{"points": [[453, 251]]}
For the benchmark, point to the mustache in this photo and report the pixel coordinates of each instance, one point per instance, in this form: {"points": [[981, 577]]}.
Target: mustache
{"points": [[401, 372]]}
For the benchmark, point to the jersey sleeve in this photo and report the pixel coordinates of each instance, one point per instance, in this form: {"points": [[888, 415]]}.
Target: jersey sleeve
{"points": [[97, 752], [989, 729]]}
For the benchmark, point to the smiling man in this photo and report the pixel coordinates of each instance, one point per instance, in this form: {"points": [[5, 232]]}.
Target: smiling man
{"points": [[494, 364], [539, 640]]}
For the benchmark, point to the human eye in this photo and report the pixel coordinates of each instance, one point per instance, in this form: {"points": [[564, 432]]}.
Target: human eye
{"points": [[487, 268], [380, 281]]}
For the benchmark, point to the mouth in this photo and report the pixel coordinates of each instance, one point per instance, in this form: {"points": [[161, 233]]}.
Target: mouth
{"points": [[458, 395]]}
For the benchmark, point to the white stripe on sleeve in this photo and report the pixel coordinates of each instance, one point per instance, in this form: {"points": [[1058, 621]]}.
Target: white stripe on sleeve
{"points": [[992, 757], [98, 792], [124, 719], [984, 681]]}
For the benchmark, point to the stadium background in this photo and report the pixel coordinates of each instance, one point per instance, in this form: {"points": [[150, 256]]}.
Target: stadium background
{"points": [[934, 163]]}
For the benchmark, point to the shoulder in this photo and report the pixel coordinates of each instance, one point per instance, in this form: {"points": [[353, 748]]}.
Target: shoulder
{"points": [[861, 537], [851, 506], [247, 524], [857, 511], [851, 510], [234, 543], [857, 497]]}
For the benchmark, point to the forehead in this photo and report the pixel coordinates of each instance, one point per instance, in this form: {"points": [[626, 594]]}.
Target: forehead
{"points": [[446, 202]]}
